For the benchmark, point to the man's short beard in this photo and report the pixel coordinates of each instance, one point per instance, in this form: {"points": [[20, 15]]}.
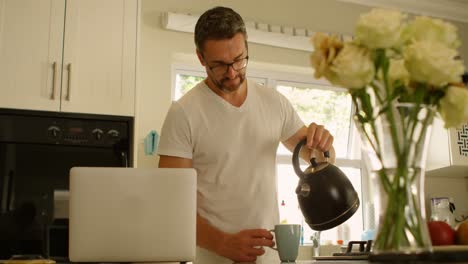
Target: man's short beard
{"points": [[224, 89]]}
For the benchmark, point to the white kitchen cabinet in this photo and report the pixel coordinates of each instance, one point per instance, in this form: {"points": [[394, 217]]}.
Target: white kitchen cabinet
{"points": [[68, 55], [31, 44], [448, 151]]}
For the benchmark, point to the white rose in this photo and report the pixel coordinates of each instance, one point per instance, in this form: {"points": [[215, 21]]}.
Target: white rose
{"points": [[353, 67], [454, 106], [398, 71], [325, 50], [433, 30], [380, 28], [432, 63]]}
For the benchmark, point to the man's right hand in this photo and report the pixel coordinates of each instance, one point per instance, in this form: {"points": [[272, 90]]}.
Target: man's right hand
{"points": [[246, 245]]}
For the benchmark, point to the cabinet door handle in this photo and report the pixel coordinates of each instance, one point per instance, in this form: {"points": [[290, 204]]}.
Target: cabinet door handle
{"points": [[69, 67], [54, 80]]}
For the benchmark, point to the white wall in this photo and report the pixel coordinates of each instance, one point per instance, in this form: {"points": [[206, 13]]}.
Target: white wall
{"points": [[446, 186]]}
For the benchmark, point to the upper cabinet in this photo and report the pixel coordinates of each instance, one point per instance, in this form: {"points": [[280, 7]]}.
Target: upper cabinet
{"points": [[448, 151], [68, 55], [99, 56], [31, 46]]}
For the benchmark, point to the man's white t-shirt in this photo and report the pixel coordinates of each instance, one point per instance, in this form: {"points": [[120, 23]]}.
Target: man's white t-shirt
{"points": [[233, 150]]}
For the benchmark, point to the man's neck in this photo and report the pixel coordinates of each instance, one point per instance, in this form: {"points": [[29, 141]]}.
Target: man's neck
{"points": [[235, 98]]}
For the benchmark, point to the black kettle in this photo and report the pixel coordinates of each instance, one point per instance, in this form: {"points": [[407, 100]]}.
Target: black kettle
{"points": [[326, 196]]}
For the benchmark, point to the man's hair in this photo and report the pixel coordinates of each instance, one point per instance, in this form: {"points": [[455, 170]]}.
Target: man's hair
{"points": [[216, 24]]}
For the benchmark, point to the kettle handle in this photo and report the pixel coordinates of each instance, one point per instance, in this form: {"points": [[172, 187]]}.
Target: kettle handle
{"points": [[295, 159]]}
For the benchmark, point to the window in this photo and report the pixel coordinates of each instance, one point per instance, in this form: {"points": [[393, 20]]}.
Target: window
{"points": [[186, 80], [315, 101], [323, 105], [331, 107]]}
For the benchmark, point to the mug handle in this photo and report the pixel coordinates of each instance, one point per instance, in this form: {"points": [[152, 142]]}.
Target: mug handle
{"points": [[273, 231]]}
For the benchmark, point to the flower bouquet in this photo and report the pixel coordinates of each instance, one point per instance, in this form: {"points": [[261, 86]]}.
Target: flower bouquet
{"points": [[400, 74]]}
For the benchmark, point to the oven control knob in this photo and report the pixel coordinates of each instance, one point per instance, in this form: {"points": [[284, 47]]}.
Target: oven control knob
{"points": [[113, 133], [53, 131], [97, 133]]}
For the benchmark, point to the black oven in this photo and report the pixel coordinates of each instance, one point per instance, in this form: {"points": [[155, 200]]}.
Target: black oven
{"points": [[37, 150]]}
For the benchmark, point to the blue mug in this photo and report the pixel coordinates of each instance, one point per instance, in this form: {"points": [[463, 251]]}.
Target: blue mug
{"points": [[287, 237]]}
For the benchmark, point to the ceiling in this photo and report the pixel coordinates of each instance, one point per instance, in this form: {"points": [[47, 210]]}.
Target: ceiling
{"points": [[455, 10]]}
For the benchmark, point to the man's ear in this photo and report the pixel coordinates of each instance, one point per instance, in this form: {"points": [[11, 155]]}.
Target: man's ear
{"points": [[200, 58]]}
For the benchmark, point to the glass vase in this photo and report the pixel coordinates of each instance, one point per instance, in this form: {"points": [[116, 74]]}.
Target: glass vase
{"points": [[395, 138]]}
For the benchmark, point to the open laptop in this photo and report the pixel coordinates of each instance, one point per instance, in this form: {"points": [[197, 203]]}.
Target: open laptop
{"points": [[132, 215]]}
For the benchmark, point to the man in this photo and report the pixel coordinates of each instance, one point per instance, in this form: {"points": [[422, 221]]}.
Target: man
{"points": [[228, 129]]}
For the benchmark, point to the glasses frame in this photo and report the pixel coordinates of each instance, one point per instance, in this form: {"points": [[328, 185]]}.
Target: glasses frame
{"points": [[228, 65]]}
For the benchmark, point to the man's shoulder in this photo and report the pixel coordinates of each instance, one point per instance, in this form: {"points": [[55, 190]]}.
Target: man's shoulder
{"points": [[192, 96], [263, 91]]}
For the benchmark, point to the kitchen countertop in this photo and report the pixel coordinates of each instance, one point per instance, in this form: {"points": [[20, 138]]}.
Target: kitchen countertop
{"points": [[302, 262], [329, 262], [359, 262], [450, 256], [442, 254]]}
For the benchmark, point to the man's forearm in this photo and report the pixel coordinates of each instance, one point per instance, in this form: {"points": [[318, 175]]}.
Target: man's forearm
{"points": [[244, 246], [208, 236]]}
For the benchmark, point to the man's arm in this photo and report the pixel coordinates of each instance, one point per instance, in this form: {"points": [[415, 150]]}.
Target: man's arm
{"points": [[174, 162], [208, 236], [240, 247]]}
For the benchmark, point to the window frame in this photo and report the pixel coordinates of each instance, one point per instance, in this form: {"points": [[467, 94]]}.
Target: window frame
{"points": [[186, 68]]}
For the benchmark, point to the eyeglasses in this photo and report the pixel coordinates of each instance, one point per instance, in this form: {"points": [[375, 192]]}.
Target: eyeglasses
{"points": [[222, 68]]}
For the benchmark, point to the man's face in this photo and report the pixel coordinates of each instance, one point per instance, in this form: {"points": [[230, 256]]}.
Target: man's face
{"points": [[225, 62]]}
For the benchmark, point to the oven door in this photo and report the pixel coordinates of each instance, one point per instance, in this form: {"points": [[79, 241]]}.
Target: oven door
{"points": [[29, 175]]}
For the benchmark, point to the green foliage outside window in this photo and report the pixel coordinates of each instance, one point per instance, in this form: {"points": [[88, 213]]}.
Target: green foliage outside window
{"points": [[187, 82], [330, 108]]}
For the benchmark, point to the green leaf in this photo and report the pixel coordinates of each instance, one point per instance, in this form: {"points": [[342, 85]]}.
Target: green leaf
{"points": [[379, 59], [399, 91]]}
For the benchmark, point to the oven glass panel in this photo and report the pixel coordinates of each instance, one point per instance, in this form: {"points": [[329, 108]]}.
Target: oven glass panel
{"points": [[37, 151]]}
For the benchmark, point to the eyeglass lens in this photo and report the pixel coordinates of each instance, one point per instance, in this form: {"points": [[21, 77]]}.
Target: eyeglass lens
{"points": [[236, 65]]}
